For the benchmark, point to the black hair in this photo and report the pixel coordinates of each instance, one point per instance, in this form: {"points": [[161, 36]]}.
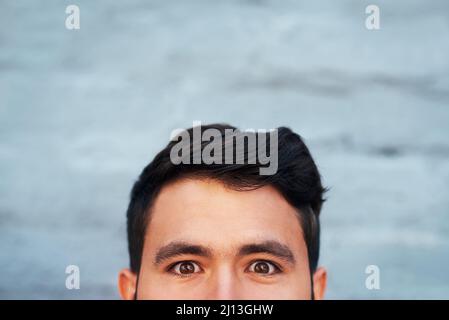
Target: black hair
{"points": [[297, 179]]}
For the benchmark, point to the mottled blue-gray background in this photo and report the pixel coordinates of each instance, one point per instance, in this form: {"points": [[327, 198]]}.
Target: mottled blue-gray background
{"points": [[81, 113]]}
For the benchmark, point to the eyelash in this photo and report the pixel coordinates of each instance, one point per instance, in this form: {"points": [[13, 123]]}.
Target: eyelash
{"points": [[277, 268], [171, 267]]}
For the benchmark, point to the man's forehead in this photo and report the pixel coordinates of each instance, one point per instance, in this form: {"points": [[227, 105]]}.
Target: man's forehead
{"points": [[224, 226], [192, 190], [193, 200]]}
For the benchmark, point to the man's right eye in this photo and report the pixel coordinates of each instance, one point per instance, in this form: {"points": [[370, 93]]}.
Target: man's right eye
{"points": [[185, 268]]}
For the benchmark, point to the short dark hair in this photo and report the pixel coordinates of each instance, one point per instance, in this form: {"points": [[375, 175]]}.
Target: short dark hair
{"points": [[297, 179]]}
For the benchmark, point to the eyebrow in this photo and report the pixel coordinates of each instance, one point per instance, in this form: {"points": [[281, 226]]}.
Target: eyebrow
{"points": [[271, 247], [178, 248]]}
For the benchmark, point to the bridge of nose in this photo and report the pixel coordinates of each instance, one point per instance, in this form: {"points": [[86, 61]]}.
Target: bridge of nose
{"points": [[224, 282]]}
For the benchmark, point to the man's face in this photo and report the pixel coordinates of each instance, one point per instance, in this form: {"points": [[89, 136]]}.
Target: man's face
{"points": [[206, 241]]}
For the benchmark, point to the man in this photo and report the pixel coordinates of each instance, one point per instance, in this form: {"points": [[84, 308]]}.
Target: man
{"points": [[223, 230]]}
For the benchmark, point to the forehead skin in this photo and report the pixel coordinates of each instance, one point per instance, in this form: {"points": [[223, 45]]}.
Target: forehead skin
{"points": [[207, 213]]}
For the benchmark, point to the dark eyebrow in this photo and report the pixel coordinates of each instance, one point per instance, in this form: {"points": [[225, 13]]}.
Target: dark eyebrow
{"points": [[270, 247], [178, 248]]}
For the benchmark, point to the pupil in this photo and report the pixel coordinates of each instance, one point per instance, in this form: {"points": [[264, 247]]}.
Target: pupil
{"points": [[186, 267], [261, 267]]}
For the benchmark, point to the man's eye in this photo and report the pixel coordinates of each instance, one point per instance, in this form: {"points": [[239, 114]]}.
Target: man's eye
{"points": [[185, 268], [264, 268]]}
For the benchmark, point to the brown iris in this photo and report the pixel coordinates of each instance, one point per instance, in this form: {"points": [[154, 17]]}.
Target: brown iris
{"points": [[186, 267], [261, 267]]}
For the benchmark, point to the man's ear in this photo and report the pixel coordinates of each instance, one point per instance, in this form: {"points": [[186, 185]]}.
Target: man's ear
{"points": [[319, 283], [127, 284]]}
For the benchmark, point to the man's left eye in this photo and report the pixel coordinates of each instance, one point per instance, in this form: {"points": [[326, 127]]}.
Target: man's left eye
{"points": [[263, 268]]}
